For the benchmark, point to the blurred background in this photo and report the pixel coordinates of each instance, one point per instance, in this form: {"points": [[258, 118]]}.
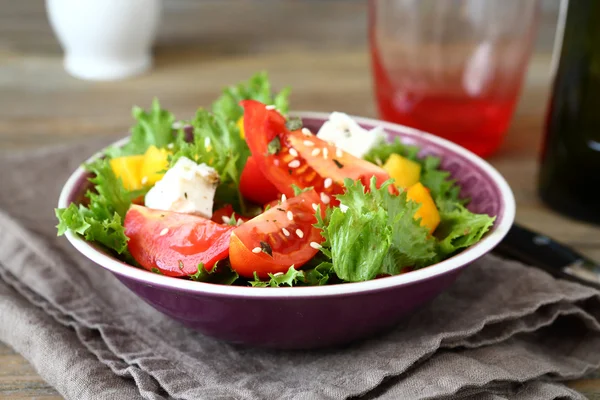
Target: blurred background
{"points": [[319, 48]]}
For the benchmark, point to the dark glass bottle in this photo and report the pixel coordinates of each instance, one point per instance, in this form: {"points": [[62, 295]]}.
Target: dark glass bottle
{"points": [[569, 179]]}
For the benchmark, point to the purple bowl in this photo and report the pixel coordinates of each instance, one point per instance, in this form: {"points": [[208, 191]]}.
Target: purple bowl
{"points": [[311, 317]]}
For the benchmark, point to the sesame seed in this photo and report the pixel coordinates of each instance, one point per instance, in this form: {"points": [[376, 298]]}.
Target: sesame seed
{"points": [[293, 152], [256, 250], [283, 198], [315, 245], [239, 222], [306, 132], [315, 206], [339, 153], [278, 274], [225, 219], [325, 199], [144, 180], [270, 107], [308, 143], [285, 232], [325, 152], [164, 232], [206, 142], [299, 233], [327, 183], [315, 152], [290, 216], [294, 164], [170, 146]]}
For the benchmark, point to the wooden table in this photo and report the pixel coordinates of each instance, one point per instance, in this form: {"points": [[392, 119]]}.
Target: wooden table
{"points": [[318, 48]]}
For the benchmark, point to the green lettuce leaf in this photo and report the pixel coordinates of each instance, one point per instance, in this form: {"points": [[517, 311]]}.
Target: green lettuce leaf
{"points": [[359, 243], [290, 278], [380, 153], [218, 144], [109, 196], [221, 274], [102, 220], [154, 127], [412, 245], [460, 228], [320, 275], [438, 181], [377, 234], [258, 87], [107, 231]]}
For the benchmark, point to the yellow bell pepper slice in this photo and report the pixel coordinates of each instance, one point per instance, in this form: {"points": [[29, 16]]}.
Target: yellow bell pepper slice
{"points": [[128, 169], [240, 125], [154, 166], [428, 212], [404, 171]]}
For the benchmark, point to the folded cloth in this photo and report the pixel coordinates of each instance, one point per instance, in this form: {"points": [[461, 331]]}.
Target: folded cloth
{"points": [[503, 330]]}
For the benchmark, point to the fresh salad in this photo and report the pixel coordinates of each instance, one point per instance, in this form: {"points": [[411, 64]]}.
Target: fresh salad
{"points": [[242, 194]]}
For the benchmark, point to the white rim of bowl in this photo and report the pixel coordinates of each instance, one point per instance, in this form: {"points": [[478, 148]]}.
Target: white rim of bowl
{"points": [[458, 261]]}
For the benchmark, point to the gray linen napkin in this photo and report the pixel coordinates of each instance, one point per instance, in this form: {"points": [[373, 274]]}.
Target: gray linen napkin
{"points": [[502, 331]]}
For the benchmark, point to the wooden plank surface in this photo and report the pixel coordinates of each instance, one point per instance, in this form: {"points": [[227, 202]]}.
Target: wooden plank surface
{"points": [[316, 47]]}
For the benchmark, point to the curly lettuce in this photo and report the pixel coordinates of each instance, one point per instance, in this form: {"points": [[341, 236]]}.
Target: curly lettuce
{"points": [[153, 128], [459, 227], [375, 235], [102, 220]]}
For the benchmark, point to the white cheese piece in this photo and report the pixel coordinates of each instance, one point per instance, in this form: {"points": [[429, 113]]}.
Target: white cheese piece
{"points": [[346, 134], [187, 187]]}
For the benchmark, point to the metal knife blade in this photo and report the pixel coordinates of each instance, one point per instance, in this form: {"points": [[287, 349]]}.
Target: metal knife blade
{"points": [[540, 251]]}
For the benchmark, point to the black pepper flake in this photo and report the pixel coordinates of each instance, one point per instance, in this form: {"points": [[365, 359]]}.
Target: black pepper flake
{"points": [[338, 164], [280, 209], [265, 248], [289, 171], [185, 194]]}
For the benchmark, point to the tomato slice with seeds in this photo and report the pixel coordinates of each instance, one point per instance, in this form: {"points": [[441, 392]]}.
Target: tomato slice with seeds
{"points": [[329, 161], [301, 158], [174, 243], [277, 239]]}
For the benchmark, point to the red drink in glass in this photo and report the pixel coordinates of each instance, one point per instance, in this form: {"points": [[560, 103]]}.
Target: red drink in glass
{"points": [[446, 71]]}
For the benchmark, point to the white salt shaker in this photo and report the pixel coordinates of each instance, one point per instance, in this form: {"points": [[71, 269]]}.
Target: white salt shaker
{"points": [[105, 39]]}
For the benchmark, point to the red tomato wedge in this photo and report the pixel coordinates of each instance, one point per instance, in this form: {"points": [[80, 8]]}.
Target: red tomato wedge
{"points": [[254, 186], [174, 243], [276, 239], [302, 159]]}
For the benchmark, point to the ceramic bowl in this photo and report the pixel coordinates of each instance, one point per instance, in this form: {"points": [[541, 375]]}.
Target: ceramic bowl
{"points": [[310, 317]]}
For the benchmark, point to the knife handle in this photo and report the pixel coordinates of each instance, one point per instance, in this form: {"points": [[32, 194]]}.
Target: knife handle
{"points": [[540, 251]]}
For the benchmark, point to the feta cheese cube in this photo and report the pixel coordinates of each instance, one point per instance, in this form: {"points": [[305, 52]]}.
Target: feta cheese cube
{"points": [[187, 187], [346, 134]]}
